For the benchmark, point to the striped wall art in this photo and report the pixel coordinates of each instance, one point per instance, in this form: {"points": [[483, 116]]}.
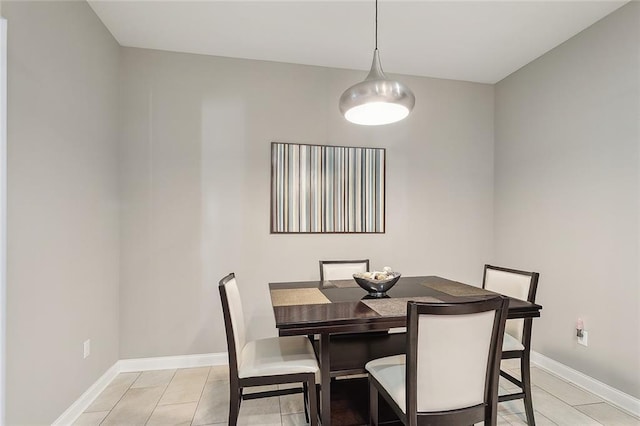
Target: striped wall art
{"points": [[327, 189]]}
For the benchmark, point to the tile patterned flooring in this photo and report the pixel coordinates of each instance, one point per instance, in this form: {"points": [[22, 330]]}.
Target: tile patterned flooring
{"points": [[199, 396]]}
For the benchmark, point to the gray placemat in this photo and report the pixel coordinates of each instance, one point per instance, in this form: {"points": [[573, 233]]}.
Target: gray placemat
{"points": [[457, 289], [395, 307], [340, 283]]}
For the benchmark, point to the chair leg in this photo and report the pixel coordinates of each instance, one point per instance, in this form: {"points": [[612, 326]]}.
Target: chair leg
{"points": [[373, 404], [491, 413], [312, 397], [305, 394], [234, 404], [525, 376]]}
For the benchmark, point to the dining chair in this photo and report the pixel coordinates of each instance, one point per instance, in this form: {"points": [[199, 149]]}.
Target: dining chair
{"points": [[517, 339], [361, 345], [449, 375], [342, 269], [270, 361]]}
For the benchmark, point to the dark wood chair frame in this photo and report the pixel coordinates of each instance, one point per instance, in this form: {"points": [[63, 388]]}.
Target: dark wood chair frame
{"points": [[237, 384], [331, 262], [351, 351], [464, 416], [524, 355]]}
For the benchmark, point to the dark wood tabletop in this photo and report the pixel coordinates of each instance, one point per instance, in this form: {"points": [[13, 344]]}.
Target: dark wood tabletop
{"points": [[330, 309], [346, 309]]}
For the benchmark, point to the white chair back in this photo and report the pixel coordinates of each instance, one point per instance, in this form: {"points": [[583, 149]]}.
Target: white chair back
{"points": [[341, 270], [236, 315], [512, 284], [452, 360]]}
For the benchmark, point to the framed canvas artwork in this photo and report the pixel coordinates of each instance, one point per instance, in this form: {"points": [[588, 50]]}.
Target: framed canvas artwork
{"points": [[327, 189]]}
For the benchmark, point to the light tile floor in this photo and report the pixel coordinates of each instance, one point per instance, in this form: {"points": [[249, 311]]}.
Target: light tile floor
{"points": [[199, 396]]}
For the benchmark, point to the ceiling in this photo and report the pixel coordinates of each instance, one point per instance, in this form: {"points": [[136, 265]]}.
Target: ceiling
{"points": [[481, 41]]}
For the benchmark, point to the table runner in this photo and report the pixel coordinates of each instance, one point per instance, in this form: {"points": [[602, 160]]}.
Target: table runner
{"points": [[298, 296], [397, 306], [457, 289], [340, 283]]}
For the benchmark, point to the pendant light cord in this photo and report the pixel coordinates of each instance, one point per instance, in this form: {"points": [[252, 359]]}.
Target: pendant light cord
{"points": [[376, 24]]}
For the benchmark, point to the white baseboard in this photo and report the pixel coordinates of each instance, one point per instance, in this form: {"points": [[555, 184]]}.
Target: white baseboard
{"points": [[604, 391], [140, 364], [170, 362], [73, 412]]}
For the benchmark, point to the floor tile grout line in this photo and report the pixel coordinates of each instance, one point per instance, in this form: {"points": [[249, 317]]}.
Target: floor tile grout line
{"points": [[633, 416], [577, 388], [507, 420], [574, 386], [565, 402], [610, 406], [161, 395], [201, 394], [568, 383], [288, 414], [558, 377], [592, 403], [535, 412], [603, 402], [121, 396], [279, 406], [587, 414]]}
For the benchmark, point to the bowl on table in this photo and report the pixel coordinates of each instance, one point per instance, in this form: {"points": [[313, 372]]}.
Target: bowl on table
{"points": [[377, 287]]}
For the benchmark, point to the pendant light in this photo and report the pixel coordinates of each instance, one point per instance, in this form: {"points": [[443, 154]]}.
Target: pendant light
{"points": [[377, 100]]}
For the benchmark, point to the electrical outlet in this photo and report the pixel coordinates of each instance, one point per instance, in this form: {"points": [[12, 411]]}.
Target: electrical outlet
{"points": [[87, 348], [584, 339]]}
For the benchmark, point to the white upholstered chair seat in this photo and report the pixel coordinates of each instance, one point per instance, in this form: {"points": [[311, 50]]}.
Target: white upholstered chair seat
{"points": [[510, 343], [277, 356], [449, 375], [391, 373], [263, 362]]}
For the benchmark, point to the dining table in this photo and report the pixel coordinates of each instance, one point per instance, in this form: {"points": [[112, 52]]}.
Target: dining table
{"points": [[349, 327]]}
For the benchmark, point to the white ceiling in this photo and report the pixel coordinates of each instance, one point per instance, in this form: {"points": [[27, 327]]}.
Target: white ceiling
{"points": [[482, 41]]}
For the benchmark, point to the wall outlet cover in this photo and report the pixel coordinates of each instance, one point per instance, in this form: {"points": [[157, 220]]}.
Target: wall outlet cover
{"points": [[584, 341]]}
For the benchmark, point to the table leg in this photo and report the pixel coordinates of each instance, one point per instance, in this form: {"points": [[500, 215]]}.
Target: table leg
{"points": [[325, 375]]}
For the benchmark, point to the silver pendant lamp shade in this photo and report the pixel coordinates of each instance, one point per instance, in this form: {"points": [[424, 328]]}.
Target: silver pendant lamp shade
{"points": [[377, 100]]}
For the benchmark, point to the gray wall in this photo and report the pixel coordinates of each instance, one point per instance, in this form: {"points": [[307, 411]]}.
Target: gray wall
{"points": [[63, 227], [192, 185], [195, 172], [567, 193]]}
